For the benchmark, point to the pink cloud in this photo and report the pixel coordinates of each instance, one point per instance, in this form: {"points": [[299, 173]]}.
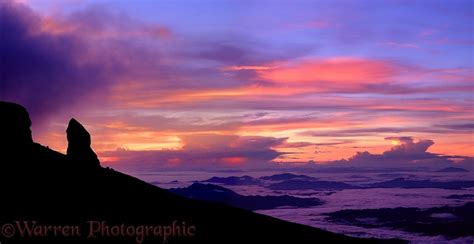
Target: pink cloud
{"points": [[101, 23], [427, 32], [341, 72]]}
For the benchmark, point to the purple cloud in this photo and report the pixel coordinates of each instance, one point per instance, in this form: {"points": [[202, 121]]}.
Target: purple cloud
{"points": [[40, 70], [409, 150]]}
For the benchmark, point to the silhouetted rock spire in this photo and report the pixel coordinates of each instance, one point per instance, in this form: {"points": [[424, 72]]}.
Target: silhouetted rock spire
{"points": [[79, 149]]}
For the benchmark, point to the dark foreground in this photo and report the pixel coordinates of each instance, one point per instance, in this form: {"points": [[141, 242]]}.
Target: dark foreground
{"points": [[49, 197]]}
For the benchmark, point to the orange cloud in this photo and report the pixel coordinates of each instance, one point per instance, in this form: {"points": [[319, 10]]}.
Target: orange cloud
{"points": [[234, 160], [99, 27]]}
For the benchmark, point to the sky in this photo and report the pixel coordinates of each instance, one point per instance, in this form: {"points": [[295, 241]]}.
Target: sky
{"points": [[242, 84]]}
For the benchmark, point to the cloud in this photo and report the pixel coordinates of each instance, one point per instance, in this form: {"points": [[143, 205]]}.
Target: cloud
{"points": [[409, 150], [43, 71], [202, 150], [74, 61], [401, 45], [98, 22], [466, 162], [214, 151], [143, 85], [457, 127], [307, 144], [405, 153], [346, 70], [400, 139], [435, 129]]}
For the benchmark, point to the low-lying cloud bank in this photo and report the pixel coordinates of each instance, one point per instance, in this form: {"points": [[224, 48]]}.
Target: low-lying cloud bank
{"points": [[244, 152], [206, 151]]}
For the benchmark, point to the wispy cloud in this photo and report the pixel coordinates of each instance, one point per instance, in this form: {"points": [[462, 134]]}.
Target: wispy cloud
{"points": [[401, 45]]}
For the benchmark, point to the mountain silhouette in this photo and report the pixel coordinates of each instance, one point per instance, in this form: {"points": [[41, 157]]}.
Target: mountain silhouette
{"points": [[310, 185], [214, 193], [53, 189], [452, 170], [411, 184], [234, 180], [287, 176]]}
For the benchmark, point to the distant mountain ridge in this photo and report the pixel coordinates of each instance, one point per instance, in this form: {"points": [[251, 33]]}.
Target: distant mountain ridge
{"points": [[288, 181], [214, 193], [407, 183], [287, 176], [452, 170], [234, 180], [311, 185]]}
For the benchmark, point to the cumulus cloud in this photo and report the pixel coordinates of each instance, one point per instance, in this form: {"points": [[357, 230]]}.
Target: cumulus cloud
{"points": [[214, 151], [405, 153], [409, 150], [203, 151]]}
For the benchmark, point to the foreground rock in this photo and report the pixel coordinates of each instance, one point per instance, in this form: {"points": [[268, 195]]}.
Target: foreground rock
{"points": [[42, 187]]}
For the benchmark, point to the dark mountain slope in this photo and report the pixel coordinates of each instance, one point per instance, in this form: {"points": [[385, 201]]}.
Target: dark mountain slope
{"points": [[38, 184]]}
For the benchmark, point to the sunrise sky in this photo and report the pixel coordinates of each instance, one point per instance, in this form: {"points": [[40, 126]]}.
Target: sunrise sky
{"points": [[244, 83]]}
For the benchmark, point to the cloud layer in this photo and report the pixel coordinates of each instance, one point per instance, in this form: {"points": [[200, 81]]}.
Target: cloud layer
{"points": [[405, 153]]}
